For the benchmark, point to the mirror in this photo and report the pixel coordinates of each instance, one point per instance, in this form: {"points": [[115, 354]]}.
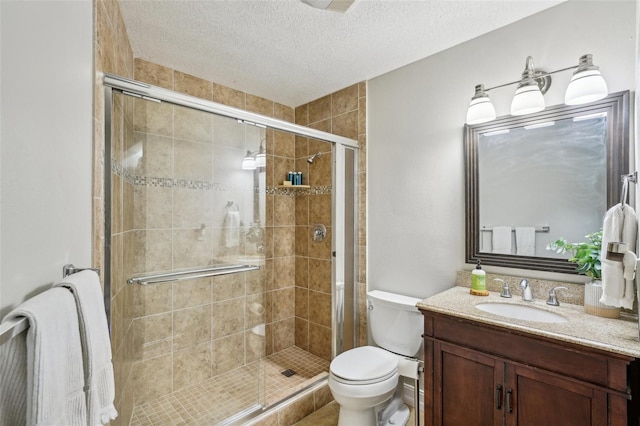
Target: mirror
{"points": [[551, 174]]}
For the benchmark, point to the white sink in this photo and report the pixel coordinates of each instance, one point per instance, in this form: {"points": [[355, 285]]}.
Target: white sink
{"points": [[520, 312]]}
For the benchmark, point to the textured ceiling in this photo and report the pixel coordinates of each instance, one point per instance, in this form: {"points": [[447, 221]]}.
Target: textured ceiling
{"points": [[289, 52]]}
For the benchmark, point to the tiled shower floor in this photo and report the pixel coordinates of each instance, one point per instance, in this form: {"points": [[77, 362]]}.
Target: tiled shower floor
{"points": [[220, 397]]}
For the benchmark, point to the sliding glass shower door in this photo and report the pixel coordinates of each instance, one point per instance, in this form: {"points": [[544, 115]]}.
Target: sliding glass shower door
{"points": [[187, 202]]}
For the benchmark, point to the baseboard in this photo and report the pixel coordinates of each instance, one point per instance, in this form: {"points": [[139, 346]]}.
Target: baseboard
{"points": [[408, 396]]}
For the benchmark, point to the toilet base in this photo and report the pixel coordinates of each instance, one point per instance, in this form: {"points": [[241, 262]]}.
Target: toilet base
{"points": [[348, 417], [400, 417]]}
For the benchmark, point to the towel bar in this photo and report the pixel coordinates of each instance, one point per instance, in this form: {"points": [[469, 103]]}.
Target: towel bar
{"points": [[544, 228], [191, 274], [10, 329]]}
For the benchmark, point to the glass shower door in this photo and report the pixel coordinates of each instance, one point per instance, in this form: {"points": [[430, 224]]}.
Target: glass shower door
{"points": [[185, 197]]}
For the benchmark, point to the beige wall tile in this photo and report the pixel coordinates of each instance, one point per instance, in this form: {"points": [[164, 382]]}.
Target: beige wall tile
{"points": [[193, 125], [320, 109], [302, 242], [284, 210], [284, 241], [320, 209], [153, 74], [259, 105], [281, 167], [256, 311], [283, 334], [320, 275], [320, 343], [362, 116], [152, 378], [322, 397], [302, 333], [256, 281], [192, 366], [302, 114], [227, 287], [191, 326], [302, 303], [283, 112], [320, 173], [284, 144], [151, 299], [228, 353], [192, 85], [344, 100], [190, 249], [302, 271], [254, 347], [284, 272], [284, 304], [346, 125], [193, 160], [153, 207], [320, 308], [191, 293], [228, 317], [302, 210], [228, 96], [324, 125], [152, 336], [192, 209]]}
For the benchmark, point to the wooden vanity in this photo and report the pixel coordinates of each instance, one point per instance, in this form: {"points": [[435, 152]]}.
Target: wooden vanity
{"points": [[483, 369]]}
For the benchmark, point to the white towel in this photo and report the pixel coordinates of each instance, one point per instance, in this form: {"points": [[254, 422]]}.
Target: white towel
{"points": [[526, 240], [232, 229], [96, 346], [55, 376], [619, 225], [13, 380], [501, 239]]}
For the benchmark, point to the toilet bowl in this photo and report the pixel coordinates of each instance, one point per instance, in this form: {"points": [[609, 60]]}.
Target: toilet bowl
{"points": [[363, 380]]}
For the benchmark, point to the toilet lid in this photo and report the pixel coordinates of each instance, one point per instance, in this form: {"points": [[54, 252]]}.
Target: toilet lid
{"points": [[364, 364]]}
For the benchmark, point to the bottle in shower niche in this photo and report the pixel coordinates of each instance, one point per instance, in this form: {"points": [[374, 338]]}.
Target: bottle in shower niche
{"points": [[479, 282]]}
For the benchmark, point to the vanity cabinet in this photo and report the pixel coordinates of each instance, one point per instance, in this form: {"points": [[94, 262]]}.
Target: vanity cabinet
{"points": [[480, 374]]}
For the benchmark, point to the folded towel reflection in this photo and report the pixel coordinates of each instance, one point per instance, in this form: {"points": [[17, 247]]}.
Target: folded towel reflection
{"points": [[232, 229], [55, 375], [525, 240], [501, 239]]}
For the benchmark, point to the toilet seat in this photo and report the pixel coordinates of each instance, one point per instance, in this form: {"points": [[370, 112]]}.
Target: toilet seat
{"points": [[364, 365]]}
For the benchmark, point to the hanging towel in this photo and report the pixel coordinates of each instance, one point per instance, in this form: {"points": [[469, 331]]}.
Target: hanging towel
{"points": [[620, 224], [502, 239], [525, 240], [13, 381], [55, 376], [232, 229], [96, 346]]}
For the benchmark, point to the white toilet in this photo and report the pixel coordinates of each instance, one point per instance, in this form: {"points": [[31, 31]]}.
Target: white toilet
{"points": [[363, 380]]}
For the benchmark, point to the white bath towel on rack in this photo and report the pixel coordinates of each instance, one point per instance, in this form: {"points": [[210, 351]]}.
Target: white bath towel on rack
{"points": [[232, 229], [621, 225], [501, 241], [96, 345], [55, 376], [525, 240]]}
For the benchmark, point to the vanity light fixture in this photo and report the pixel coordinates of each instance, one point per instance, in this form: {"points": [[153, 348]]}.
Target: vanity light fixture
{"points": [[249, 162], [587, 85]]}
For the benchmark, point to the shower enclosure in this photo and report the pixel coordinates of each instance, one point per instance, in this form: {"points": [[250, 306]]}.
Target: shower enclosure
{"points": [[224, 297]]}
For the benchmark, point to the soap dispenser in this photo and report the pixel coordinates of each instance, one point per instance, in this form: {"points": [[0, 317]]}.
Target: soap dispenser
{"points": [[479, 282]]}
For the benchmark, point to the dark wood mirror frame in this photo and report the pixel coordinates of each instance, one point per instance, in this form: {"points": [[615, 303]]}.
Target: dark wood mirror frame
{"points": [[616, 106]]}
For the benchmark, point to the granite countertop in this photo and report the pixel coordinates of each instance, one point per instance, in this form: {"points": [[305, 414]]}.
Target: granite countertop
{"points": [[613, 335]]}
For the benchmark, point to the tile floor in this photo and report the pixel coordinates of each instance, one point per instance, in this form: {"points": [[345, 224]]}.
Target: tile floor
{"points": [[222, 396]]}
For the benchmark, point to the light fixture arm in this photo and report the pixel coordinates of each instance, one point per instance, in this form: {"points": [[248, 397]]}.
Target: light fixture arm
{"points": [[541, 75]]}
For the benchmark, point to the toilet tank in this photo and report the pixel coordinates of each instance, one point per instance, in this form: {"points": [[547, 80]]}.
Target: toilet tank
{"points": [[395, 322]]}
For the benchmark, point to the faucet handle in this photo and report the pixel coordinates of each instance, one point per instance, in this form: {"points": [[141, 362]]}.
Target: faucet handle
{"points": [[553, 299], [506, 292], [524, 283]]}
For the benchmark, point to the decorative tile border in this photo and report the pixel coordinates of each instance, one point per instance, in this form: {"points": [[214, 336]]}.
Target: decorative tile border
{"points": [[160, 182]]}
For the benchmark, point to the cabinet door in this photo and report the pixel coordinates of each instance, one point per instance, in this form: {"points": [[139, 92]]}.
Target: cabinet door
{"points": [[535, 398], [468, 387]]}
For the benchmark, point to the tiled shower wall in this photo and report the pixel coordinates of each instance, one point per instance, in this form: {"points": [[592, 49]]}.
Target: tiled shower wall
{"points": [[284, 315]]}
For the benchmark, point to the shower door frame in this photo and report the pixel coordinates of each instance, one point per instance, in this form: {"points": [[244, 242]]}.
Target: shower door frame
{"points": [[342, 235]]}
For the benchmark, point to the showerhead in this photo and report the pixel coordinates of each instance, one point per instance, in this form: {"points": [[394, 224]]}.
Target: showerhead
{"points": [[313, 157]]}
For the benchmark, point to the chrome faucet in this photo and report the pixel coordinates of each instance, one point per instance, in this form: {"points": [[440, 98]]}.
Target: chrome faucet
{"points": [[506, 292], [553, 300], [527, 296]]}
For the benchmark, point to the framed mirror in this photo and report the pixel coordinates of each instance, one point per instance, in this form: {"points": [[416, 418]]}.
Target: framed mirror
{"points": [[547, 175]]}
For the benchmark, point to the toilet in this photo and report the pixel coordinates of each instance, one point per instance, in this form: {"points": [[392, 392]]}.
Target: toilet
{"points": [[364, 380]]}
